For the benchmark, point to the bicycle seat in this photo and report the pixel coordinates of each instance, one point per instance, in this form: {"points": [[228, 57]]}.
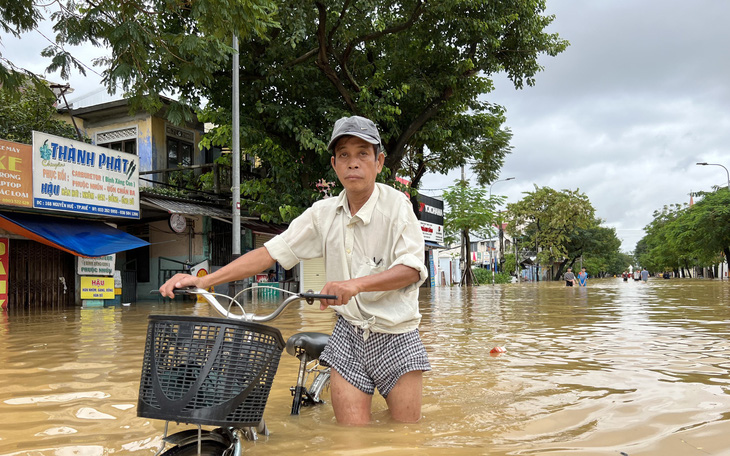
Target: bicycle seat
{"points": [[311, 342]]}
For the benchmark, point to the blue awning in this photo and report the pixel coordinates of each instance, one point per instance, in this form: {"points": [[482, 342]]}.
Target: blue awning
{"points": [[84, 238], [433, 245]]}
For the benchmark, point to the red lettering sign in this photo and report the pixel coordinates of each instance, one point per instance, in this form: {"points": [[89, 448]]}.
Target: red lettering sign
{"points": [[4, 266]]}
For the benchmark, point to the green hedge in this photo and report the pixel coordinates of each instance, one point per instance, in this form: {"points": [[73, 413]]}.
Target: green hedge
{"points": [[484, 276]]}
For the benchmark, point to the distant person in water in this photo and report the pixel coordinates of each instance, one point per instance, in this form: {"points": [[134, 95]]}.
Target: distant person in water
{"points": [[569, 278], [582, 277], [644, 275]]}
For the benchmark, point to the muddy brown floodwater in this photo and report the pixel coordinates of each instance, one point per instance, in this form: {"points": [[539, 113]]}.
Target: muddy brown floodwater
{"points": [[633, 368]]}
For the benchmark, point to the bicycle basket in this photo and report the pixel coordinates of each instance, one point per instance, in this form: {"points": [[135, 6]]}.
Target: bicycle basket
{"points": [[213, 371]]}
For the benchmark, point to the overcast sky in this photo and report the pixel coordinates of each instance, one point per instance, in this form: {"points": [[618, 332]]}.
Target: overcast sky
{"points": [[640, 95]]}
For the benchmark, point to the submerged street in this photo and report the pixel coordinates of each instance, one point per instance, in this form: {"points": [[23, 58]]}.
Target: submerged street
{"points": [[614, 367]]}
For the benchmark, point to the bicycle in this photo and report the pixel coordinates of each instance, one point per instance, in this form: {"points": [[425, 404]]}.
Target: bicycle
{"points": [[219, 371]]}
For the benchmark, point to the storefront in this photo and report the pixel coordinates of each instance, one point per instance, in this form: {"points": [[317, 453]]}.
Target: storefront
{"points": [[58, 201]]}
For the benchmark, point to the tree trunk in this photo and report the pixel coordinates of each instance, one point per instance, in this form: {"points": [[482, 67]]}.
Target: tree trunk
{"points": [[467, 276], [559, 272]]}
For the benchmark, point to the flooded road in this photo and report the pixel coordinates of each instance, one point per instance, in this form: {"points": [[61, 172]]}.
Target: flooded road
{"points": [[617, 367]]}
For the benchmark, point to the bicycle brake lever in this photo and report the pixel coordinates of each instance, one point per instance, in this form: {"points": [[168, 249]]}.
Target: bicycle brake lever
{"points": [[178, 291], [184, 290]]}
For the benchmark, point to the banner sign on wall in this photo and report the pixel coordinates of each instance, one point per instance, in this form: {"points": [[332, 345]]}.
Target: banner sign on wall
{"points": [[97, 287], [73, 176], [432, 232], [103, 265], [4, 268], [16, 169]]}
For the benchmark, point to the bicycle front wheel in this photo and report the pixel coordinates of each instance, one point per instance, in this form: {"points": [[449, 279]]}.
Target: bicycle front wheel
{"points": [[207, 449]]}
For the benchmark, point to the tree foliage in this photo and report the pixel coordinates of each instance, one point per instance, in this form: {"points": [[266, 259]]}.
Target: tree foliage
{"points": [[155, 46], [468, 211], [682, 237], [549, 220], [16, 17], [598, 245], [31, 108], [418, 69]]}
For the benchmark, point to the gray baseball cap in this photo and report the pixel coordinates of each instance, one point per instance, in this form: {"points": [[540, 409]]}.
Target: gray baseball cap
{"points": [[361, 127]]}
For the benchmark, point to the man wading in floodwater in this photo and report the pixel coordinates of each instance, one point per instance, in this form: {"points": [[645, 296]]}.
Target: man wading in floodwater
{"points": [[372, 246]]}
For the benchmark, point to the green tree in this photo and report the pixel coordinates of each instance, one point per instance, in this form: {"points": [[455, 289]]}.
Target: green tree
{"points": [[419, 69], [548, 219], [596, 244], [31, 108], [17, 17], [681, 237], [658, 249], [619, 262], [155, 46], [468, 211], [709, 223]]}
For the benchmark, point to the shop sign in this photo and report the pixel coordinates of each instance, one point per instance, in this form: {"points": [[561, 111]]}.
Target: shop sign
{"points": [[200, 270], [97, 287], [432, 232], [16, 170], [96, 266], [73, 176], [4, 268]]}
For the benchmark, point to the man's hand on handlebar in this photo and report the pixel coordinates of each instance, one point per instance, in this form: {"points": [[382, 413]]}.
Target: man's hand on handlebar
{"points": [[344, 291], [179, 281]]}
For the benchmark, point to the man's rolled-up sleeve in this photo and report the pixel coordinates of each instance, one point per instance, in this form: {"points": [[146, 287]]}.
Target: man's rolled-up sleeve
{"points": [[301, 241], [409, 251]]}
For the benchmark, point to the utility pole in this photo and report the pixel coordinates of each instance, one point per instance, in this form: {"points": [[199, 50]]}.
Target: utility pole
{"points": [[463, 238], [236, 164], [517, 259], [501, 233]]}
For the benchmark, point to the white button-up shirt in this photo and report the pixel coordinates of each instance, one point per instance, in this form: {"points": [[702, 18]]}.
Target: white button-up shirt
{"points": [[384, 233]]}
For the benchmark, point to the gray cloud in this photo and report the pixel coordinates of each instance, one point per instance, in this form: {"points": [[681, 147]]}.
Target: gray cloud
{"points": [[626, 111]]}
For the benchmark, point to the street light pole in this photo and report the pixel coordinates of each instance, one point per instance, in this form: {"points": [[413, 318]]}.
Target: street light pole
{"points": [[717, 164], [500, 180], [494, 263]]}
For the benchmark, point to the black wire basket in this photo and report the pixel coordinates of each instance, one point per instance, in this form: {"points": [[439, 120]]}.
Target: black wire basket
{"points": [[213, 371]]}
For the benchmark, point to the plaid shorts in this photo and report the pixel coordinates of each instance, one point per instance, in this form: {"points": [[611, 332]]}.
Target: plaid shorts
{"points": [[378, 361]]}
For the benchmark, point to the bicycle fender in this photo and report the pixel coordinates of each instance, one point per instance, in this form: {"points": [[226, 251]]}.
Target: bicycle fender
{"points": [[191, 436]]}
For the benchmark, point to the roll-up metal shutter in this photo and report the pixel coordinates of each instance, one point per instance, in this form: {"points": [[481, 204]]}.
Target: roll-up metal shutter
{"points": [[259, 239], [313, 275]]}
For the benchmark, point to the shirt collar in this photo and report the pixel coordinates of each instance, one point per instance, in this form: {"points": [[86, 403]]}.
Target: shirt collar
{"points": [[366, 212]]}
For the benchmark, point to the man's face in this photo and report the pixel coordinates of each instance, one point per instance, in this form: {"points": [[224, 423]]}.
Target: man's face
{"points": [[356, 165]]}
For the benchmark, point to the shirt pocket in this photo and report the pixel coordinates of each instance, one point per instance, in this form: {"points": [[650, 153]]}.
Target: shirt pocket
{"points": [[366, 267]]}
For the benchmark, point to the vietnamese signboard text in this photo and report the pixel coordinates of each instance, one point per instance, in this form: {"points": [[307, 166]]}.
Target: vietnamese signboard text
{"points": [[16, 169], [103, 265], [77, 177], [97, 287]]}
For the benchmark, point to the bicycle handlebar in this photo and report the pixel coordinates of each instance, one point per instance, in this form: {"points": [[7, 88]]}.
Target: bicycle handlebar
{"points": [[210, 298]]}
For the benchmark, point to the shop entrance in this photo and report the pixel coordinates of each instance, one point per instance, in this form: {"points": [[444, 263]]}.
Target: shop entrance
{"points": [[40, 277]]}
